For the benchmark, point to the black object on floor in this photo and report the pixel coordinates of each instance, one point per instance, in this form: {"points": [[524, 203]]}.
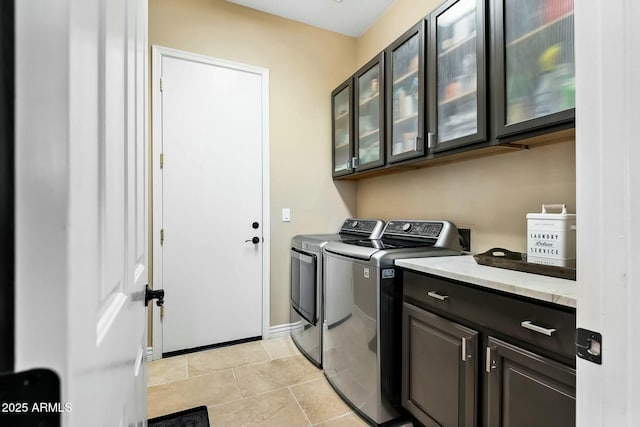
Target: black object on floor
{"points": [[194, 417]]}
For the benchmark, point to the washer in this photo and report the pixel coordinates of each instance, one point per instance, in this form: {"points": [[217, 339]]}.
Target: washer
{"points": [[362, 345], [307, 313]]}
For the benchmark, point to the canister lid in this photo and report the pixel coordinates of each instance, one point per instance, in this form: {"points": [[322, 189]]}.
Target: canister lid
{"points": [[560, 216]]}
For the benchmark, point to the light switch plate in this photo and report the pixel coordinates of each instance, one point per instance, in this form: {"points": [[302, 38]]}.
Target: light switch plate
{"points": [[286, 215]]}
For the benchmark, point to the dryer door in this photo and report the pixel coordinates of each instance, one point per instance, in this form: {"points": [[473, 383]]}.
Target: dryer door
{"points": [[304, 284]]}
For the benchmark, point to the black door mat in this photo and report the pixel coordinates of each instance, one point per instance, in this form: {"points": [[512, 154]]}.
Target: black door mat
{"points": [[194, 417]]}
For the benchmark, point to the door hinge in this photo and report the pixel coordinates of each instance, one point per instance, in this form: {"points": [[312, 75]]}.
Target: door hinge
{"points": [[161, 160], [161, 84], [161, 236]]}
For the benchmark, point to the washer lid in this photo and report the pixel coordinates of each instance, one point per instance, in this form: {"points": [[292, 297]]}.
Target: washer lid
{"points": [[352, 250]]}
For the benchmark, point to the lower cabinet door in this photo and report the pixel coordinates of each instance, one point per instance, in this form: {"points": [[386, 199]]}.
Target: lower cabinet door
{"points": [[439, 369], [524, 389]]}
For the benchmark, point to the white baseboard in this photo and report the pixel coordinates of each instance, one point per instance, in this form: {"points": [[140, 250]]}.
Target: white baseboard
{"points": [[276, 331], [283, 330]]}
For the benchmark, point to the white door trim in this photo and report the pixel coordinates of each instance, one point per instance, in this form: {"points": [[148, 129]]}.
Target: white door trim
{"points": [[608, 205], [156, 117]]}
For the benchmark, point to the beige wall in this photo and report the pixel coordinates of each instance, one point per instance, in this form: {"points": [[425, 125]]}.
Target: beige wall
{"points": [[490, 195], [305, 64]]}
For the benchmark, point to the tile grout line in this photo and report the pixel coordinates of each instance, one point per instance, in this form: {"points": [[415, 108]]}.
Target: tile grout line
{"points": [[349, 412], [235, 379], [299, 405]]}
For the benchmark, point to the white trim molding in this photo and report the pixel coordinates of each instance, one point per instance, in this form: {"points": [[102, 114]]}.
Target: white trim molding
{"points": [[607, 50], [283, 330]]}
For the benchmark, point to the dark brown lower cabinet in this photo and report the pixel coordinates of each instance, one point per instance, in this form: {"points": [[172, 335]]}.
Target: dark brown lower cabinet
{"points": [[440, 360], [524, 389], [460, 364]]}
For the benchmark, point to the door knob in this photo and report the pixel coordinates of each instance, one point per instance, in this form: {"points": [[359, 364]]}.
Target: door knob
{"points": [[255, 225], [254, 240], [150, 294]]}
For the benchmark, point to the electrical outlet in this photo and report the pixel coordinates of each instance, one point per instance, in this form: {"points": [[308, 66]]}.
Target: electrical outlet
{"points": [[465, 239]]}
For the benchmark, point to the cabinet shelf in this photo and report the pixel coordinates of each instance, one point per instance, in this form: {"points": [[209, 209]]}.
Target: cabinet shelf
{"points": [[404, 119], [369, 99], [457, 98], [404, 77], [530, 35], [369, 133], [457, 45], [342, 116]]}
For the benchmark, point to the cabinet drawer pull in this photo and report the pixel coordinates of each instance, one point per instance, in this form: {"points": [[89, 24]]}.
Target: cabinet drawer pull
{"points": [[430, 136], [539, 329], [436, 295], [464, 349]]}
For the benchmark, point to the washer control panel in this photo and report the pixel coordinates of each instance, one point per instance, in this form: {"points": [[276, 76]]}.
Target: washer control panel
{"points": [[368, 227], [421, 229]]}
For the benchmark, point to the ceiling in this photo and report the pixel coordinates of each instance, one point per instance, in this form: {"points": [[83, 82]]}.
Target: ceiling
{"points": [[349, 17]]}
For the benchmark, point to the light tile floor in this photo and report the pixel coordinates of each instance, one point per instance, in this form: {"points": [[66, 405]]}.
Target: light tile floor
{"points": [[261, 383]]}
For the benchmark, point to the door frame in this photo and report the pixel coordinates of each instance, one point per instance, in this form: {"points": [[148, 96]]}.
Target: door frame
{"points": [[158, 52], [7, 186], [607, 201]]}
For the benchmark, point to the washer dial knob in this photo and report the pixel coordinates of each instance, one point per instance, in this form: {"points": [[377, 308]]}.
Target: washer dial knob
{"points": [[406, 226]]}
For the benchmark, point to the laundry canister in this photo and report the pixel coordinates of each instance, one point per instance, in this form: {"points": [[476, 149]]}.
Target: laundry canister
{"points": [[552, 237]]}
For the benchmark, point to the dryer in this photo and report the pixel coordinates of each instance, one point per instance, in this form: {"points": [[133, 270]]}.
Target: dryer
{"points": [[307, 308]]}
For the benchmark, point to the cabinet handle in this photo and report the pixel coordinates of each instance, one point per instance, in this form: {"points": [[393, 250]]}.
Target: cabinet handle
{"points": [[436, 295], [464, 349], [539, 329], [349, 168], [354, 162], [415, 143], [430, 140], [489, 364]]}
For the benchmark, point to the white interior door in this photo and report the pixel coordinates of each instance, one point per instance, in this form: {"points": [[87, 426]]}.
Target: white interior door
{"points": [[81, 203], [212, 194]]}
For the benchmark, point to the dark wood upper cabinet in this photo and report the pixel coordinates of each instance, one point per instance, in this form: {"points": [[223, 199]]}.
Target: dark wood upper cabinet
{"points": [[456, 75], [471, 75], [342, 129], [534, 67], [405, 70], [369, 89]]}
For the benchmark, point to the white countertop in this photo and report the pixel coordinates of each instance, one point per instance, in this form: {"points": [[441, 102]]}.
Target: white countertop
{"points": [[465, 269]]}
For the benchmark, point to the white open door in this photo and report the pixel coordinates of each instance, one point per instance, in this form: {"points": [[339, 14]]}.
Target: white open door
{"points": [[81, 131], [608, 209]]}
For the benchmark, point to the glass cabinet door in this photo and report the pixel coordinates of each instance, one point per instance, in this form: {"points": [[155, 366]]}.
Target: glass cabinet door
{"points": [[457, 75], [536, 64], [369, 123], [342, 132], [405, 95]]}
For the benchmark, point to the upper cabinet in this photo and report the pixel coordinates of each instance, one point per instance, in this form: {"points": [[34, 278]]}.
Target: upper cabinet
{"points": [[533, 44], [473, 74], [369, 115], [456, 75], [405, 95], [342, 128]]}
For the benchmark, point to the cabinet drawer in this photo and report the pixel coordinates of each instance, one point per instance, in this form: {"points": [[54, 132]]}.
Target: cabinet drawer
{"points": [[540, 325]]}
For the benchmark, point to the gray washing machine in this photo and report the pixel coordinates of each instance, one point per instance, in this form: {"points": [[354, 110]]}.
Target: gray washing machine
{"points": [[363, 323], [307, 310]]}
